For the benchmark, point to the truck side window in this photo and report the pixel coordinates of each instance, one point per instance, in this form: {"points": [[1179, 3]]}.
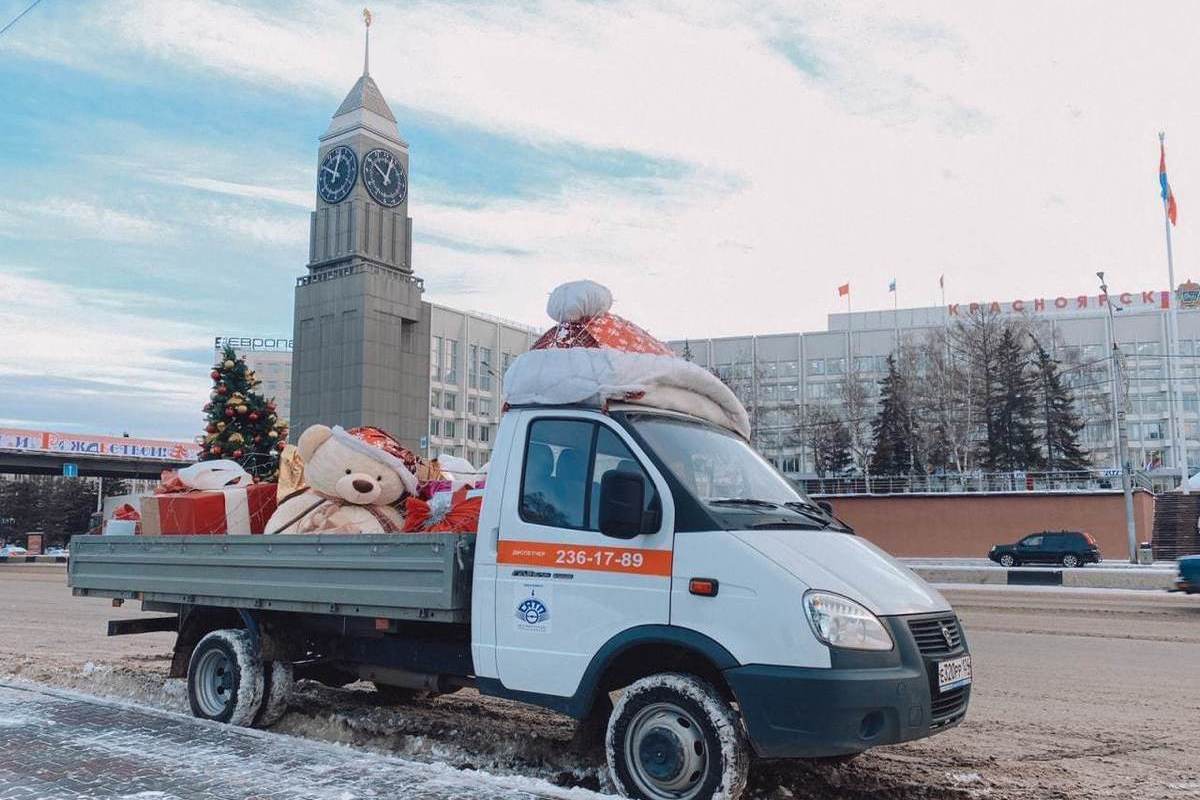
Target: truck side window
{"points": [[613, 454], [553, 487]]}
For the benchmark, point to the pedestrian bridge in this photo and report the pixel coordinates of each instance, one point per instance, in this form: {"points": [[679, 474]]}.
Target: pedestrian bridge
{"points": [[35, 452]]}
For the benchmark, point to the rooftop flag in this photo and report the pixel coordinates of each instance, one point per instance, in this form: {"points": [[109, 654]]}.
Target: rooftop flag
{"points": [[1167, 195], [844, 290], [892, 285]]}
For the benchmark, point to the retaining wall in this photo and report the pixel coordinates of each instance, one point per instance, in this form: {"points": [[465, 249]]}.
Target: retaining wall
{"points": [[969, 524]]}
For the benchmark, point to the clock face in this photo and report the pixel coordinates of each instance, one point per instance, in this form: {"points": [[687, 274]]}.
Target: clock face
{"points": [[384, 177], [336, 175]]}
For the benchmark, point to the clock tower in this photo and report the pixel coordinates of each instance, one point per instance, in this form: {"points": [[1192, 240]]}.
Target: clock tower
{"points": [[361, 338]]}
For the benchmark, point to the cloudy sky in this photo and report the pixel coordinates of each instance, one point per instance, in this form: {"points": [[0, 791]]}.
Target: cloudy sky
{"points": [[721, 166]]}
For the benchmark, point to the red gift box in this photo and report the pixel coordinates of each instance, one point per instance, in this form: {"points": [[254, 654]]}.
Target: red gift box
{"points": [[237, 510]]}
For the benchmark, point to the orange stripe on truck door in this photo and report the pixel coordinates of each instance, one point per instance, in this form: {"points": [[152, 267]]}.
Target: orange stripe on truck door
{"points": [[631, 560]]}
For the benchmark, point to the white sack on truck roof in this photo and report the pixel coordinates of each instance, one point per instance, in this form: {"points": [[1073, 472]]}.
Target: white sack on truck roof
{"points": [[593, 356]]}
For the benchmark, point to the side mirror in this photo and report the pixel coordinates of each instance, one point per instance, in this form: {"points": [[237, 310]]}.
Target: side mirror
{"points": [[825, 506], [622, 495]]}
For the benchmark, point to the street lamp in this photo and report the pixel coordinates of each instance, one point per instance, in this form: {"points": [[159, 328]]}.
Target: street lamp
{"points": [[1122, 438]]}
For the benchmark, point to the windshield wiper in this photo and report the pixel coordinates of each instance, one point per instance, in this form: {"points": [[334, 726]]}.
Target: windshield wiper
{"points": [[742, 501], [817, 513]]}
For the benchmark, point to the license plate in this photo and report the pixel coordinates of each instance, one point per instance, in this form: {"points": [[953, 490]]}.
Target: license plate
{"points": [[954, 673]]}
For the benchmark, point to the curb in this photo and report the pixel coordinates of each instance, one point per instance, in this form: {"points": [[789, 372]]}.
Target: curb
{"points": [[1081, 577]]}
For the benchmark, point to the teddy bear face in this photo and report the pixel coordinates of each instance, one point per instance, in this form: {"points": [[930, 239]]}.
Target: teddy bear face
{"points": [[336, 469]]}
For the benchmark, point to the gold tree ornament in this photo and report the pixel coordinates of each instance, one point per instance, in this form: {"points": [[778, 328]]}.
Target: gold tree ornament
{"points": [[367, 17]]}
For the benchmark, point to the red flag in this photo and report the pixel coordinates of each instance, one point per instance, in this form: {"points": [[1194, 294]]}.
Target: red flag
{"points": [[843, 290]]}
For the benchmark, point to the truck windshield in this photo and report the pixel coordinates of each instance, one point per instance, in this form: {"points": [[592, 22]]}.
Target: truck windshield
{"points": [[716, 465]]}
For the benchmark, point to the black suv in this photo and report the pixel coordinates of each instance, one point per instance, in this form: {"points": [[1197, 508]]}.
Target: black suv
{"points": [[1069, 548]]}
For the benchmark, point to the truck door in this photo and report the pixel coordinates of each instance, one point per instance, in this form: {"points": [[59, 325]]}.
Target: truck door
{"points": [[563, 589]]}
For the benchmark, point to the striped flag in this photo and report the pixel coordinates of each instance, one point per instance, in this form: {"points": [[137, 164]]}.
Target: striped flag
{"points": [[1167, 195]]}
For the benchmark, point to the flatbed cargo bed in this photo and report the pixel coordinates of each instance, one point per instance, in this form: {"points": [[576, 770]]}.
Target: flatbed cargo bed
{"points": [[407, 576]]}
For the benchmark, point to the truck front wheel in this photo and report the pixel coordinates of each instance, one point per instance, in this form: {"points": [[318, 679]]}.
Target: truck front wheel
{"points": [[225, 678], [673, 737]]}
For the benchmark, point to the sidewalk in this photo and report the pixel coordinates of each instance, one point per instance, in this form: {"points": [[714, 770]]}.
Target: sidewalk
{"points": [[58, 745]]}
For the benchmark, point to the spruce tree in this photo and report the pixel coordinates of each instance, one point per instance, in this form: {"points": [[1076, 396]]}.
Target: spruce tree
{"points": [[830, 443], [1062, 424], [892, 427], [242, 425], [1012, 404]]}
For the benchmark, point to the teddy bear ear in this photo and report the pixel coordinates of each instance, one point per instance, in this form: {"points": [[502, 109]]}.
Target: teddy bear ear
{"points": [[313, 437]]}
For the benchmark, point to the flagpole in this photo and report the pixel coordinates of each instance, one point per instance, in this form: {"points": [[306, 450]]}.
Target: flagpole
{"points": [[896, 313], [1178, 441]]}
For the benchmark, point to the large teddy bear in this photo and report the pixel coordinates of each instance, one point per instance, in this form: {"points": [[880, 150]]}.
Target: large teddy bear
{"points": [[353, 478]]}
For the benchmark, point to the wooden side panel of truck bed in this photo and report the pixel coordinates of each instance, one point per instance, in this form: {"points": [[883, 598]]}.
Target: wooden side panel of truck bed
{"points": [[398, 576]]}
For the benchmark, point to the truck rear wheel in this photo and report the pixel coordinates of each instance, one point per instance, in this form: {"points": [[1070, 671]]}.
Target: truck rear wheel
{"points": [[278, 680], [225, 678], [673, 737]]}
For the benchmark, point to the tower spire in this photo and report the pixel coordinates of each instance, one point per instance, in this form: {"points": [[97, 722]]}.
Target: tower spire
{"points": [[367, 44]]}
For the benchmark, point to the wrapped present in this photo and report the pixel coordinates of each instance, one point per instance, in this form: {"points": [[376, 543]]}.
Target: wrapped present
{"points": [[291, 473], [127, 519], [445, 512], [211, 497]]}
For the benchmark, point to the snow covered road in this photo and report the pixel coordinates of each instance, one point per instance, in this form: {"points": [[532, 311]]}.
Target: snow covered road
{"points": [[56, 744]]}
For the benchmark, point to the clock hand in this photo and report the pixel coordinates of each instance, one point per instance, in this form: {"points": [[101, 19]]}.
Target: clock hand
{"points": [[335, 173], [379, 169]]}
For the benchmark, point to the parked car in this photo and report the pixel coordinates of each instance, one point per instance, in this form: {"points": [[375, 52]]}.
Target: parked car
{"points": [[12, 550], [1069, 548], [1188, 579]]}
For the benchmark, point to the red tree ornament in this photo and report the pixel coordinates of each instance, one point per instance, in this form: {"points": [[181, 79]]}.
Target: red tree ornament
{"points": [[215, 450]]}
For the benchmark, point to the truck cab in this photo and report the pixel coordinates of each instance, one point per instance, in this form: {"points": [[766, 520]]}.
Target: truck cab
{"points": [[618, 546]]}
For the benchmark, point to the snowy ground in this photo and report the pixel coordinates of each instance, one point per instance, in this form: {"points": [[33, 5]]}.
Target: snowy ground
{"points": [[1078, 694]]}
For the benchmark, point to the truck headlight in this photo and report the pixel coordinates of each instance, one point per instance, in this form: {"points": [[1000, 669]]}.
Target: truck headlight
{"points": [[840, 622]]}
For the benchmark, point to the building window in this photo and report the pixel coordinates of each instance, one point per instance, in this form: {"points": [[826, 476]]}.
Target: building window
{"points": [[471, 405], [505, 362], [435, 358], [473, 366], [835, 366], [434, 427], [485, 376], [485, 433], [448, 425], [451, 400], [789, 465], [816, 366], [435, 399], [485, 406], [471, 431], [452, 366]]}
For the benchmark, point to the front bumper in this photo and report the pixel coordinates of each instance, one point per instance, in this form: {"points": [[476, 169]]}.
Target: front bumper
{"points": [[862, 701]]}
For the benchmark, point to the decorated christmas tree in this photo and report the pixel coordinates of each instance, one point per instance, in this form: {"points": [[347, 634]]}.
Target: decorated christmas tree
{"points": [[242, 425]]}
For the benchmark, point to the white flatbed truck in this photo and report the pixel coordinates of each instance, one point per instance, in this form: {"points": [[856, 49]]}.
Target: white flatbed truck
{"points": [[627, 550]]}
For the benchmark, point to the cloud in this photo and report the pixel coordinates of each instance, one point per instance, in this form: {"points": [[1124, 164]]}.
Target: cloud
{"points": [[65, 217], [275, 194], [109, 347], [816, 138]]}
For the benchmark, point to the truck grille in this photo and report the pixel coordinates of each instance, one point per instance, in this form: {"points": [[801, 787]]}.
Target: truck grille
{"points": [[949, 705], [936, 636]]}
